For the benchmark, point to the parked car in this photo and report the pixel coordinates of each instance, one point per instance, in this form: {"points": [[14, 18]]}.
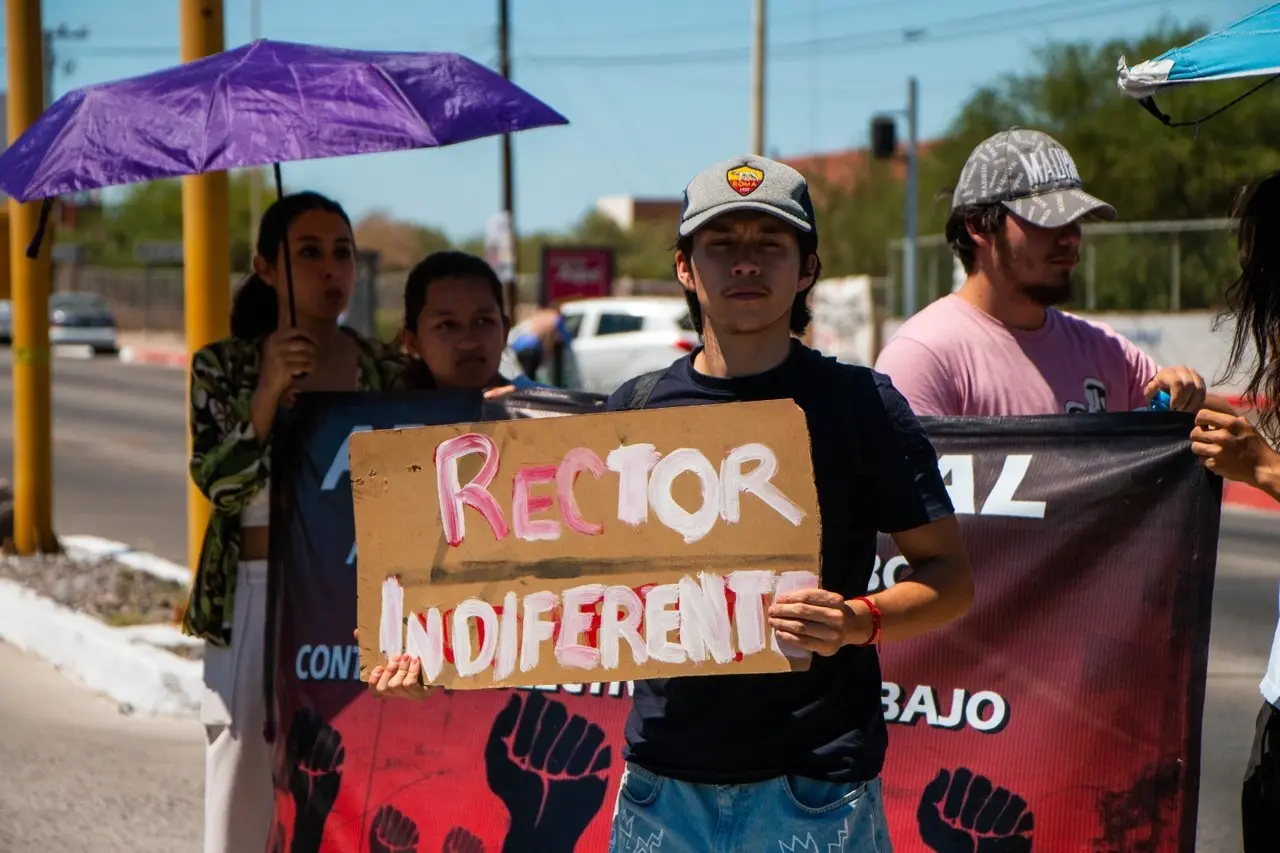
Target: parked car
{"points": [[74, 318], [84, 319], [616, 338]]}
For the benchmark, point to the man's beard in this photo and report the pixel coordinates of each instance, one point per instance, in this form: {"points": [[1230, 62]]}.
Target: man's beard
{"points": [[1045, 293], [1049, 294]]}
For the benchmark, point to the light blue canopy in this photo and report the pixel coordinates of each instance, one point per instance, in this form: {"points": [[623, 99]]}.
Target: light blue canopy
{"points": [[1248, 48]]}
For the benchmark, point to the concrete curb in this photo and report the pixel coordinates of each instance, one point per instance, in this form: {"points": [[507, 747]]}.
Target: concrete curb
{"points": [[1242, 497], [131, 665], [122, 663], [79, 352], [89, 548], [155, 356]]}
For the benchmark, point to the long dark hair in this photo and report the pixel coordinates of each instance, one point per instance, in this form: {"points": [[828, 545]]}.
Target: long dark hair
{"points": [[255, 311], [1253, 299], [432, 268]]}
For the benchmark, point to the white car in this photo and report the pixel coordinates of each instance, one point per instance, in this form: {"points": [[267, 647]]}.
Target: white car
{"points": [[84, 319], [619, 337], [74, 318]]}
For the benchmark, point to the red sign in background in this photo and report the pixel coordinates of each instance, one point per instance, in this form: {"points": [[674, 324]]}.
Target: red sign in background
{"points": [[576, 272], [1061, 715]]}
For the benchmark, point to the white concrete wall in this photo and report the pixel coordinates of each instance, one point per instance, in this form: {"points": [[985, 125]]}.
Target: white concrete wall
{"points": [[1186, 338]]}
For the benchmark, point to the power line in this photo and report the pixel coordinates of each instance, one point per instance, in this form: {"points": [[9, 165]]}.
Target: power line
{"points": [[886, 39]]}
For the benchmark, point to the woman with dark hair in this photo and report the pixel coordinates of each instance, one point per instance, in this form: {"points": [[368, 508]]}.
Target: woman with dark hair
{"points": [[1235, 448], [454, 323], [237, 386]]}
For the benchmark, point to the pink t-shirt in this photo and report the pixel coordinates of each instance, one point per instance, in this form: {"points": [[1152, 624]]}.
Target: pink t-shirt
{"points": [[952, 358]]}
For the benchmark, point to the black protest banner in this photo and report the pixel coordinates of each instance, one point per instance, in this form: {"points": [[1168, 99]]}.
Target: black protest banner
{"points": [[1063, 713]]}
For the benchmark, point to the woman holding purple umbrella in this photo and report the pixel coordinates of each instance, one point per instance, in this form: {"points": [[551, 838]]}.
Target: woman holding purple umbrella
{"points": [[237, 386]]}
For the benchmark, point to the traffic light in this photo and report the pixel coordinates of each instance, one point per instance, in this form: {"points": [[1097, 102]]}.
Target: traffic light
{"points": [[884, 137]]}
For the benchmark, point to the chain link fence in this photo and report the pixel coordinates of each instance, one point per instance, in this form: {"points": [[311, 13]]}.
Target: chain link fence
{"points": [[1177, 265], [1125, 266], [151, 298]]}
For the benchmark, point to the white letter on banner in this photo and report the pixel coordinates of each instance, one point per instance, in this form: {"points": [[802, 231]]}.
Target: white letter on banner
{"points": [[1001, 500], [960, 469], [999, 711], [341, 463], [890, 693], [921, 702]]}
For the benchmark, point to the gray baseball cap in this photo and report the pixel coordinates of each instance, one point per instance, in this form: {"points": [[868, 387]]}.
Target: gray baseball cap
{"points": [[748, 183], [1032, 175]]}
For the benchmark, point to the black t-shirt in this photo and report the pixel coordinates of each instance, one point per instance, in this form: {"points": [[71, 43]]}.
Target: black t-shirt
{"points": [[874, 470]]}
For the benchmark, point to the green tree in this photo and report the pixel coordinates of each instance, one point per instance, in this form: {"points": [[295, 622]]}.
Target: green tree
{"points": [[1149, 172], [153, 211]]}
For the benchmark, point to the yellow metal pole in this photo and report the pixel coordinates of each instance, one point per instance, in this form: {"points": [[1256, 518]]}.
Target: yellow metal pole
{"points": [[206, 245], [6, 270], [32, 416]]}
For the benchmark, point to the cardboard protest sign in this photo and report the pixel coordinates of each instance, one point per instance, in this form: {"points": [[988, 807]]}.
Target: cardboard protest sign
{"points": [[603, 547]]}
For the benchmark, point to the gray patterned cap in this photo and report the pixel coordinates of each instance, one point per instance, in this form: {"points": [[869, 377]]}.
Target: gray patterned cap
{"points": [[747, 183], [1032, 175]]}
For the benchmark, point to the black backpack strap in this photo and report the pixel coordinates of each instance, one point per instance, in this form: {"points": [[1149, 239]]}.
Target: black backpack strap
{"points": [[644, 389]]}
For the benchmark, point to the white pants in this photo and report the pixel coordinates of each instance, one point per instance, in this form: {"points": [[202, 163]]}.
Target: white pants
{"points": [[239, 801]]}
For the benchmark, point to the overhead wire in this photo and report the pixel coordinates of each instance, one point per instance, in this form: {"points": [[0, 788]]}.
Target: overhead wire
{"points": [[966, 27]]}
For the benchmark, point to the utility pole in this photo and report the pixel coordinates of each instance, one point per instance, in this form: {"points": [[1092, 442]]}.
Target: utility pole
{"points": [[206, 242], [884, 147], [255, 175], [508, 183], [32, 404], [909, 279], [62, 33], [757, 81]]}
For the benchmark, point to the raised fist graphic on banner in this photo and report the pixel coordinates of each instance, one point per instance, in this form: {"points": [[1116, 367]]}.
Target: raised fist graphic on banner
{"points": [[460, 840], [964, 813], [549, 769], [392, 832], [315, 755]]}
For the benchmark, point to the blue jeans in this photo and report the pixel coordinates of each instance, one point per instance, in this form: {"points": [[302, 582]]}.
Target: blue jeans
{"points": [[789, 814]]}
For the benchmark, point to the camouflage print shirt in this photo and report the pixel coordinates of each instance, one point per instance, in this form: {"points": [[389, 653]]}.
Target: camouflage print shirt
{"points": [[230, 466]]}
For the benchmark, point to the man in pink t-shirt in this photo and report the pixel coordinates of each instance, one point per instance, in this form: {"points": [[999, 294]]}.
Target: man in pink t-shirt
{"points": [[998, 346]]}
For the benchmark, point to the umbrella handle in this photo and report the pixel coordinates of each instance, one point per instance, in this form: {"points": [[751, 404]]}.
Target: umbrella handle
{"points": [[288, 261], [33, 248]]}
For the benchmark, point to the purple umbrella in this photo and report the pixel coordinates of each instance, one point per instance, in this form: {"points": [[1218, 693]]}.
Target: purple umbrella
{"points": [[264, 103], [267, 102]]}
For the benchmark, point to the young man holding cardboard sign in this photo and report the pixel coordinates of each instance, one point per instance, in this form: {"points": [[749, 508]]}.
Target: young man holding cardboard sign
{"points": [[763, 555], [753, 761]]}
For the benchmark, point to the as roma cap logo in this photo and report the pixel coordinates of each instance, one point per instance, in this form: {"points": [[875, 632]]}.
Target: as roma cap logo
{"points": [[744, 180]]}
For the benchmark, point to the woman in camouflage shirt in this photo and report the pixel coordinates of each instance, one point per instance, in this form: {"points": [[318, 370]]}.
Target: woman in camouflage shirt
{"points": [[237, 386]]}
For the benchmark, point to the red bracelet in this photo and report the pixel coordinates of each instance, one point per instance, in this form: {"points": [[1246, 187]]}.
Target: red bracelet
{"points": [[875, 622]]}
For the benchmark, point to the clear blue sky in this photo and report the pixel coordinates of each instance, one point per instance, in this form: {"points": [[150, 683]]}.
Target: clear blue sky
{"points": [[645, 127]]}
